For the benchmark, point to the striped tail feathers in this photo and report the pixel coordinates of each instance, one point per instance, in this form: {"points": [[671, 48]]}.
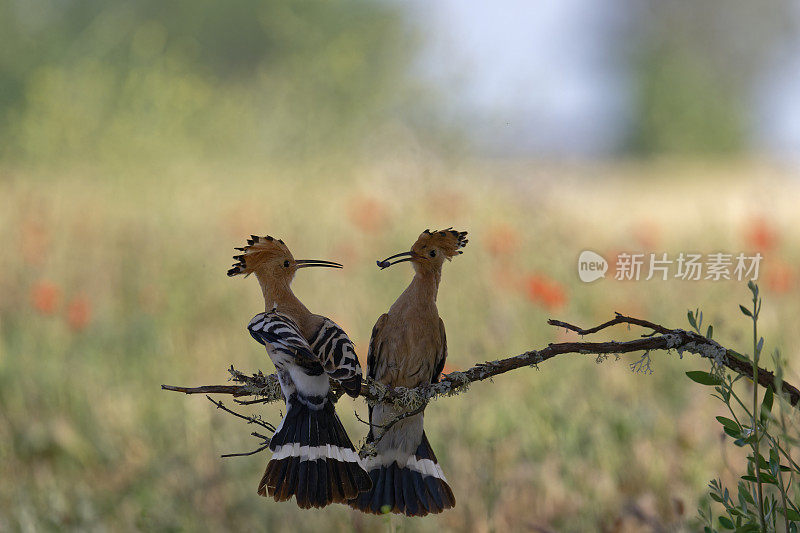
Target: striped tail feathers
{"points": [[416, 488], [313, 459]]}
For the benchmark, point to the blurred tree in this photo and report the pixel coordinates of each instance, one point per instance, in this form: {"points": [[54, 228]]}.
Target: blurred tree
{"points": [[695, 74], [684, 108], [142, 77]]}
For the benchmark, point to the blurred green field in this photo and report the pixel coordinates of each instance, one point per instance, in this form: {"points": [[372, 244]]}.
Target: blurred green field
{"points": [[111, 287]]}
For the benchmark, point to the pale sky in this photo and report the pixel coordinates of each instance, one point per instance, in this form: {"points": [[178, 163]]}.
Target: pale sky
{"points": [[552, 76]]}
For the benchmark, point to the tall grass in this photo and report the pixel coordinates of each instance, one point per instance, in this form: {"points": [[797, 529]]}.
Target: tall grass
{"points": [[87, 440]]}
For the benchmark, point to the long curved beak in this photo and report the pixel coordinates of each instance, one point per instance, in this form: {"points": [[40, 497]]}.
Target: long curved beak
{"points": [[406, 256], [305, 263]]}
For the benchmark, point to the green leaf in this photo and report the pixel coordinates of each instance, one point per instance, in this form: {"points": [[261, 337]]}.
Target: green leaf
{"points": [[703, 378], [710, 331], [742, 501], [774, 462], [766, 405], [768, 478], [733, 511], [746, 311], [765, 478], [735, 434], [690, 317], [762, 462], [793, 515], [725, 522], [727, 423], [745, 493]]}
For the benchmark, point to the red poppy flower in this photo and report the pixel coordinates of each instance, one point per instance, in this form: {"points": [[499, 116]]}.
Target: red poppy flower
{"points": [[79, 313], [546, 292], [368, 214], [502, 240], [780, 277], [761, 235], [45, 297]]}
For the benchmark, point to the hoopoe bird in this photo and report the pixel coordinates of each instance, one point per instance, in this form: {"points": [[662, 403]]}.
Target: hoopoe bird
{"points": [[313, 459], [408, 348]]}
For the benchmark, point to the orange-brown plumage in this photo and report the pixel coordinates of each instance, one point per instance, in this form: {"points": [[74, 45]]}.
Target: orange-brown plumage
{"points": [[274, 266], [313, 459], [408, 348], [412, 334], [257, 253], [449, 241]]}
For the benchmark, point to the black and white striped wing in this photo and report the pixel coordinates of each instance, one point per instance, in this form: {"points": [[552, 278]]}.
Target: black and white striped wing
{"points": [[336, 353], [281, 333]]}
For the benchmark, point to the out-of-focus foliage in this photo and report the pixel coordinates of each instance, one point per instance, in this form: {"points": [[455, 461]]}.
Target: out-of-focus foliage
{"points": [[108, 290], [697, 67], [98, 78], [683, 108]]}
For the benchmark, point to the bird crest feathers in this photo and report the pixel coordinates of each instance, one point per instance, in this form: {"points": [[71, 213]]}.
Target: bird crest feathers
{"points": [[448, 240], [257, 251]]}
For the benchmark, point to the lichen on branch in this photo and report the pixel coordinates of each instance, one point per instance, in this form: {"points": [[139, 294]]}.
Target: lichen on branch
{"points": [[265, 388]]}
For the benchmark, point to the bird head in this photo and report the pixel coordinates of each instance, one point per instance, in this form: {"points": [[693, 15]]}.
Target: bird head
{"points": [[271, 261], [431, 249]]}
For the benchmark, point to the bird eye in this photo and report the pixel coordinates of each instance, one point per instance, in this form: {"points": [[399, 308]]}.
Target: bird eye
{"points": [[286, 263], [432, 253]]}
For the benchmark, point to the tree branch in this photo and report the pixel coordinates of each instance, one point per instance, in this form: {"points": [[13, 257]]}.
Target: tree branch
{"points": [[689, 340], [235, 390], [250, 419], [264, 446], [267, 387]]}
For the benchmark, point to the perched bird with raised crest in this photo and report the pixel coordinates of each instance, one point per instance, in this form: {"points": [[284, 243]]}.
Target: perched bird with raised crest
{"points": [[313, 459], [408, 348]]}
